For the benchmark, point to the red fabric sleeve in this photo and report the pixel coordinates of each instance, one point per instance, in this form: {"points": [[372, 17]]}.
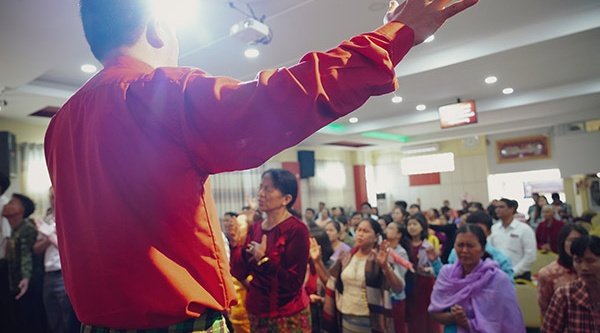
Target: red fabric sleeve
{"points": [[230, 125]]}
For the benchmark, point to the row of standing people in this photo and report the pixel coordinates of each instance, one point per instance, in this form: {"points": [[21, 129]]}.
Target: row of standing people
{"points": [[32, 292]]}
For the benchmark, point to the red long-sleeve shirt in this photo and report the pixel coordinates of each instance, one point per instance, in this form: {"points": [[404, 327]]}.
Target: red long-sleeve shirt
{"points": [[276, 289], [129, 155]]}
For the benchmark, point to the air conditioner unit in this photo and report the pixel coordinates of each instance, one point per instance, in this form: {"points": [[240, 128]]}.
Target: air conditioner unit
{"points": [[420, 149]]}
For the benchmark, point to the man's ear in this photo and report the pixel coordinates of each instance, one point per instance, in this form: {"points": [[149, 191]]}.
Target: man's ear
{"points": [[154, 34]]}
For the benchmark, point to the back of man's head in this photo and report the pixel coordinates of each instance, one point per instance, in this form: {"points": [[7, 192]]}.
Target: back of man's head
{"points": [[28, 205], [110, 24], [4, 183], [480, 218]]}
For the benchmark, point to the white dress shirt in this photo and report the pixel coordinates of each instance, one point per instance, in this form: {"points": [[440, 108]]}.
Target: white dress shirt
{"points": [[51, 257], [517, 240]]}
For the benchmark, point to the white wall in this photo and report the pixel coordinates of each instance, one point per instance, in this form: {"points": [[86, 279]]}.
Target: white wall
{"points": [[468, 180], [573, 154], [578, 153]]}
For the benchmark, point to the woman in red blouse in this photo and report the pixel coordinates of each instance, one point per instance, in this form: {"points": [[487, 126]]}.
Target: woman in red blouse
{"points": [[276, 255]]}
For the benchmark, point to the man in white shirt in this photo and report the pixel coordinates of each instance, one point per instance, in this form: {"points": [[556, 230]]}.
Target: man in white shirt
{"points": [[4, 235], [514, 238]]}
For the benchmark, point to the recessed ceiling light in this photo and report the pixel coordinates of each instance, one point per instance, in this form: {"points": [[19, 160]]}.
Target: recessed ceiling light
{"points": [[397, 99], [251, 52], [89, 68], [508, 91], [491, 80], [353, 120], [421, 107], [429, 39]]}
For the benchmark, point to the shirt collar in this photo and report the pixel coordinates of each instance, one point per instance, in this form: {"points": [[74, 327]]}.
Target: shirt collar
{"points": [[129, 62], [511, 225]]}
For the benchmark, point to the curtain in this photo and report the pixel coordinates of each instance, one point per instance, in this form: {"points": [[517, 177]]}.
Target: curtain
{"points": [[234, 190], [35, 179], [330, 185]]}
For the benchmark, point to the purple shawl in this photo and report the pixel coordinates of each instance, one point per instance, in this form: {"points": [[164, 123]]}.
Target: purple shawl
{"points": [[486, 295]]}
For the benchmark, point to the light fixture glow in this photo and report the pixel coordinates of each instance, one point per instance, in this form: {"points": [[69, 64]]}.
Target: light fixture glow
{"points": [[491, 80], [251, 52], [89, 68], [508, 91], [334, 128], [178, 13], [429, 39], [421, 107], [353, 120], [397, 99], [385, 136]]}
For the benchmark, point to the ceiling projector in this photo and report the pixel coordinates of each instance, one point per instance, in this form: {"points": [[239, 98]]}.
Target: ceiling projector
{"points": [[250, 31]]}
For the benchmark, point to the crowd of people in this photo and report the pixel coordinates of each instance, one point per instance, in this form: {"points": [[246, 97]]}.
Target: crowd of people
{"points": [[353, 281], [137, 246], [356, 272]]}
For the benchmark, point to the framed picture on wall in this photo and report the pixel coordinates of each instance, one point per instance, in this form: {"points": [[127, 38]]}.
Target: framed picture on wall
{"points": [[523, 149]]}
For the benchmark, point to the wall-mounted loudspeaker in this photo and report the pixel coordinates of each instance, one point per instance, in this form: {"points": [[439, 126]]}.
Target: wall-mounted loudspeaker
{"points": [[8, 154], [306, 159]]}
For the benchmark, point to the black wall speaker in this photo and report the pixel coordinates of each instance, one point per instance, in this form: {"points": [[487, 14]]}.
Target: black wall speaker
{"points": [[8, 154], [306, 158]]}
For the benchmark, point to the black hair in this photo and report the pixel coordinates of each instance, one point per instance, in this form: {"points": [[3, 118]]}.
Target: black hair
{"points": [[586, 242], [491, 210], [555, 196], [401, 204], [342, 212], [510, 203], [387, 218], [480, 217], [416, 206], [4, 183], [423, 222], [477, 205], [365, 203], [286, 183], [405, 237], [336, 225], [323, 240], [312, 210], [110, 24], [563, 257], [355, 213], [403, 211], [231, 214], [341, 219], [436, 213], [445, 210], [27, 203], [478, 232]]}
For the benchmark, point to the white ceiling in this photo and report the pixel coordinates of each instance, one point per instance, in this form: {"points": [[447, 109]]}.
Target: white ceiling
{"points": [[547, 50]]}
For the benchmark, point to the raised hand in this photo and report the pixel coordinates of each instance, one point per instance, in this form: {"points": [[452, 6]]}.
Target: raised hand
{"points": [[425, 17], [382, 254], [314, 251]]}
